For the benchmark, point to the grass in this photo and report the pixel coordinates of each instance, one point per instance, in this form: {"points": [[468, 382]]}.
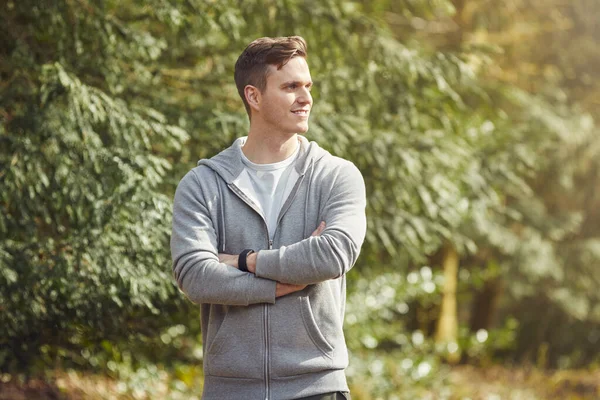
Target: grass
{"points": [[495, 383], [464, 383]]}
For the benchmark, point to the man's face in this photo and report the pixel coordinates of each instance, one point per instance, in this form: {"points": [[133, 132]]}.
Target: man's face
{"points": [[286, 102]]}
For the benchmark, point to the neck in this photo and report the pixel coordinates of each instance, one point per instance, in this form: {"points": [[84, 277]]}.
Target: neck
{"points": [[263, 147]]}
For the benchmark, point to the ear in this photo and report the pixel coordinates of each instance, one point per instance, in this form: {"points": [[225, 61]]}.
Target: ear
{"points": [[253, 97]]}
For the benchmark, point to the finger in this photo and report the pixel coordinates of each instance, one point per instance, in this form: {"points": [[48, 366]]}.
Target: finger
{"points": [[228, 259], [319, 229]]}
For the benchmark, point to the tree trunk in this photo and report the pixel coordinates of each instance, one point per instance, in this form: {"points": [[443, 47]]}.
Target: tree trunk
{"points": [[447, 329]]}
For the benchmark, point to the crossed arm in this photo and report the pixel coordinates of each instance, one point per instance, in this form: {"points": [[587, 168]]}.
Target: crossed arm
{"points": [[204, 276], [281, 289]]}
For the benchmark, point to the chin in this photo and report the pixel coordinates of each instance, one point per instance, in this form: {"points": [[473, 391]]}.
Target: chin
{"points": [[302, 129]]}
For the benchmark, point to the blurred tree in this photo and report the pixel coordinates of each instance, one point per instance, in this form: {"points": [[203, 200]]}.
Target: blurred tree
{"points": [[83, 227], [554, 263], [538, 245], [555, 142]]}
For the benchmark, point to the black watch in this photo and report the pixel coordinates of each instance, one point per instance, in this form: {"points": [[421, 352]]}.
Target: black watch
{"points": [[242, 266]]}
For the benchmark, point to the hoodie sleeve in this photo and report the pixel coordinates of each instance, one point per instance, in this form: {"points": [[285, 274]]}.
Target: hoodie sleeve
{"points": [[334, 252], [196, 266]]}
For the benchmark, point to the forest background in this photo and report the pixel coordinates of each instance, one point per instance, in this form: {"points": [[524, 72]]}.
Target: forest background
{"points": [[474, 123]]}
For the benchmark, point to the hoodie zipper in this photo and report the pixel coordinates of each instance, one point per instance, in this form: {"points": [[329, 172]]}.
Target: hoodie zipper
{"points": [[284, 209], [266, 322], [251, 204]]}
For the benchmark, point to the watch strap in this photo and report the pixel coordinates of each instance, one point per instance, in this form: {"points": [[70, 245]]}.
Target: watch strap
{"points": [[242, 265]]}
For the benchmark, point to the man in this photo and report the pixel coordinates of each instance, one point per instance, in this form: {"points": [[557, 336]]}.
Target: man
{"points": [[263, 235]]}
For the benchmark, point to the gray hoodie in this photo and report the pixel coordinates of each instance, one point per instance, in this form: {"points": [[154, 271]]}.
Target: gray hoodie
{"points": [[257, 346]]}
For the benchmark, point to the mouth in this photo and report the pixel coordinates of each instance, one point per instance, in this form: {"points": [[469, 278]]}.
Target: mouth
{"points": [[303, 113]]}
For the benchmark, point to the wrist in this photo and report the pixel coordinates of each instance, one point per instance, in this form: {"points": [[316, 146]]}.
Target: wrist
{"points": [[242, 260], [251, 262]]}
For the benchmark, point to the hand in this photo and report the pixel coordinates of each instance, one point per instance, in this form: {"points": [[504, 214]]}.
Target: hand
{"points": [[282, 289], [229, 259], [319, 229]]}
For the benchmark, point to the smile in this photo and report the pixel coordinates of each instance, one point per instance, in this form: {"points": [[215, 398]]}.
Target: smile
{"points": [[301, 112]]}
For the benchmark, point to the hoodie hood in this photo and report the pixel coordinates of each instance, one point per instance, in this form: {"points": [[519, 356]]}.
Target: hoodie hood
{"points": [[228, 163]]}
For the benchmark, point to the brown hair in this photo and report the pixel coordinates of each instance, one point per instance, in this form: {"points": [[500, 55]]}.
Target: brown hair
{"points": [[252, 67]]}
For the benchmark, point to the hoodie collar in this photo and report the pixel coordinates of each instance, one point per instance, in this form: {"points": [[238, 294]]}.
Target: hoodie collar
{"points": [[228, 163]]}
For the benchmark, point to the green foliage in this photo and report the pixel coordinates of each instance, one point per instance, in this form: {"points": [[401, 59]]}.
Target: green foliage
{"points": [[84, 228], [389, 358]]}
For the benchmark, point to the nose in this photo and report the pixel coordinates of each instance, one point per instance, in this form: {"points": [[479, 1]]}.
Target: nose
{"points": [[305, 97]]}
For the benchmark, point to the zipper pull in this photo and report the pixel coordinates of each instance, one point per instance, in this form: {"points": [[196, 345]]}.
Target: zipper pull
{"points": [[270, 244]]}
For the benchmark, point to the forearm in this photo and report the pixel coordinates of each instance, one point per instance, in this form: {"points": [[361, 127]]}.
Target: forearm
{"points": [[310, 261], [196, 266], [331, 250], [281, 289], [209, 281]]}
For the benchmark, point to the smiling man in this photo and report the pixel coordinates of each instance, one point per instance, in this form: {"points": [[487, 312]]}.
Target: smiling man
{"points": [[263, 236]]}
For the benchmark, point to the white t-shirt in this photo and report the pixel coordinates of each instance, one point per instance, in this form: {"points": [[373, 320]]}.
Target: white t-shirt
{"points": [[269, 185]]}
